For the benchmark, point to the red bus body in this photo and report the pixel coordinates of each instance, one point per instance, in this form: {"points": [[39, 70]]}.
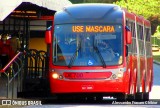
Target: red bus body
{"points": [[131, 77]]}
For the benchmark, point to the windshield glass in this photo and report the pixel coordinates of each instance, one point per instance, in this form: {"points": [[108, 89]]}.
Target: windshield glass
{"points": [[87, 45]]}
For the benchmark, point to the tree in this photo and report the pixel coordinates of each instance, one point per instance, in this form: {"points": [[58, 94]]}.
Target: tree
{"points": [[76, 1], [148, 8], [99, 1], [157, 33]]}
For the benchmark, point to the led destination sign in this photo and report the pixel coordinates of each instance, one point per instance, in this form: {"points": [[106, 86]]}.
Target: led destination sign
{"points": [[102, 29]]}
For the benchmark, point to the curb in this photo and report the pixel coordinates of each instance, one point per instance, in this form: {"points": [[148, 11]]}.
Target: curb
{"points": [[156, 62]]}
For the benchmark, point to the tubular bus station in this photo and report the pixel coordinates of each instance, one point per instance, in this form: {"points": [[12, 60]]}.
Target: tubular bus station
{"points": [[23, 52]]}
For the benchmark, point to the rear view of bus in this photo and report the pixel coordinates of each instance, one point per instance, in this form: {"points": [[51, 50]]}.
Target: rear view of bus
{"points": [[88, 53]]}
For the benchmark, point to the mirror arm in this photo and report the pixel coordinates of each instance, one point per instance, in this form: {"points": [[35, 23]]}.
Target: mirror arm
{"points": [[126, 50]]}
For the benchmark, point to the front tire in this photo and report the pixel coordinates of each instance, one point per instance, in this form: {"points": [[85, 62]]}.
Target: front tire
{"points": [[99, 98]]}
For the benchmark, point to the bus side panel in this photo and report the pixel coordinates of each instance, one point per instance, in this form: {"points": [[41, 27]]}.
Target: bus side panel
{"points": [[135, 69], [142, 73], [150, 72], [128, 74]]}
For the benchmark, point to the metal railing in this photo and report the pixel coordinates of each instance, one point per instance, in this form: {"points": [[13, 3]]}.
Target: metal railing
{"points": [[35, 70], [36, 63], [11, 77]]}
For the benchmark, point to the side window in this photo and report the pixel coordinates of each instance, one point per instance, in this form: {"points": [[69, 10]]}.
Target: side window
{"points": [[133, 29], [132, 47], [128, 23], [148, 43], [140, 39], [140, 32], [148, 34], [148, 49]]}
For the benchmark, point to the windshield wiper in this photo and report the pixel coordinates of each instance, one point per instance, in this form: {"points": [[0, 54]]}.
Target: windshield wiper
{"points": [[74, 56], [100, 56]]}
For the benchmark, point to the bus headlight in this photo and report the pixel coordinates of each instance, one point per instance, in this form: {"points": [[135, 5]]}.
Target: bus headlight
{"points": [[120, 74], [55, 76]]}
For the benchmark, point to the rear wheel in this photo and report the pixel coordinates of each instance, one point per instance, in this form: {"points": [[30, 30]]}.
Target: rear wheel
{"points": [[133, 87], [122, 97], [139, 96], [131, 97], [146, 96]]}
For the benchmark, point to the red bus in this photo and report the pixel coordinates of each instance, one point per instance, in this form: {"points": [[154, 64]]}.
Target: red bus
{"points": [[100, 50]]}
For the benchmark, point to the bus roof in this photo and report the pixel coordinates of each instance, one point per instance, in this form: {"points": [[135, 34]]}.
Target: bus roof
{"points": [[76, 13]]}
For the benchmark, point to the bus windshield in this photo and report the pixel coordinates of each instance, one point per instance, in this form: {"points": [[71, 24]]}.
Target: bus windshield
{"points": [[87, 45]]}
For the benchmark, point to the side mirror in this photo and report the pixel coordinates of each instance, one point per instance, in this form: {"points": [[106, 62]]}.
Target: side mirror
{"points": [[128, 35], [48, 35]]}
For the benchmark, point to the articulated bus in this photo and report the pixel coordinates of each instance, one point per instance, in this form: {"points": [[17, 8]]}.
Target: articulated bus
{"points": [[100, 50]]}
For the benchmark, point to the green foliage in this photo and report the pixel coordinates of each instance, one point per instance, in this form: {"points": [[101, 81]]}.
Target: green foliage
{"points": [[76, 1], [99, 1], [146, 8], [157, 33], [92, 1]]}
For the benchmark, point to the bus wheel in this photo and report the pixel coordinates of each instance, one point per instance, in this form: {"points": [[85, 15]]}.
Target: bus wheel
{"points": [[139, 96], [90, 99], [99, 98], [61, 97], [146, 96], [122, 97], [131, 97]]}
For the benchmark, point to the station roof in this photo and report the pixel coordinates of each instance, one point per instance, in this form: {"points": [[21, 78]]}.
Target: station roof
{"points": [[30, 8]]}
